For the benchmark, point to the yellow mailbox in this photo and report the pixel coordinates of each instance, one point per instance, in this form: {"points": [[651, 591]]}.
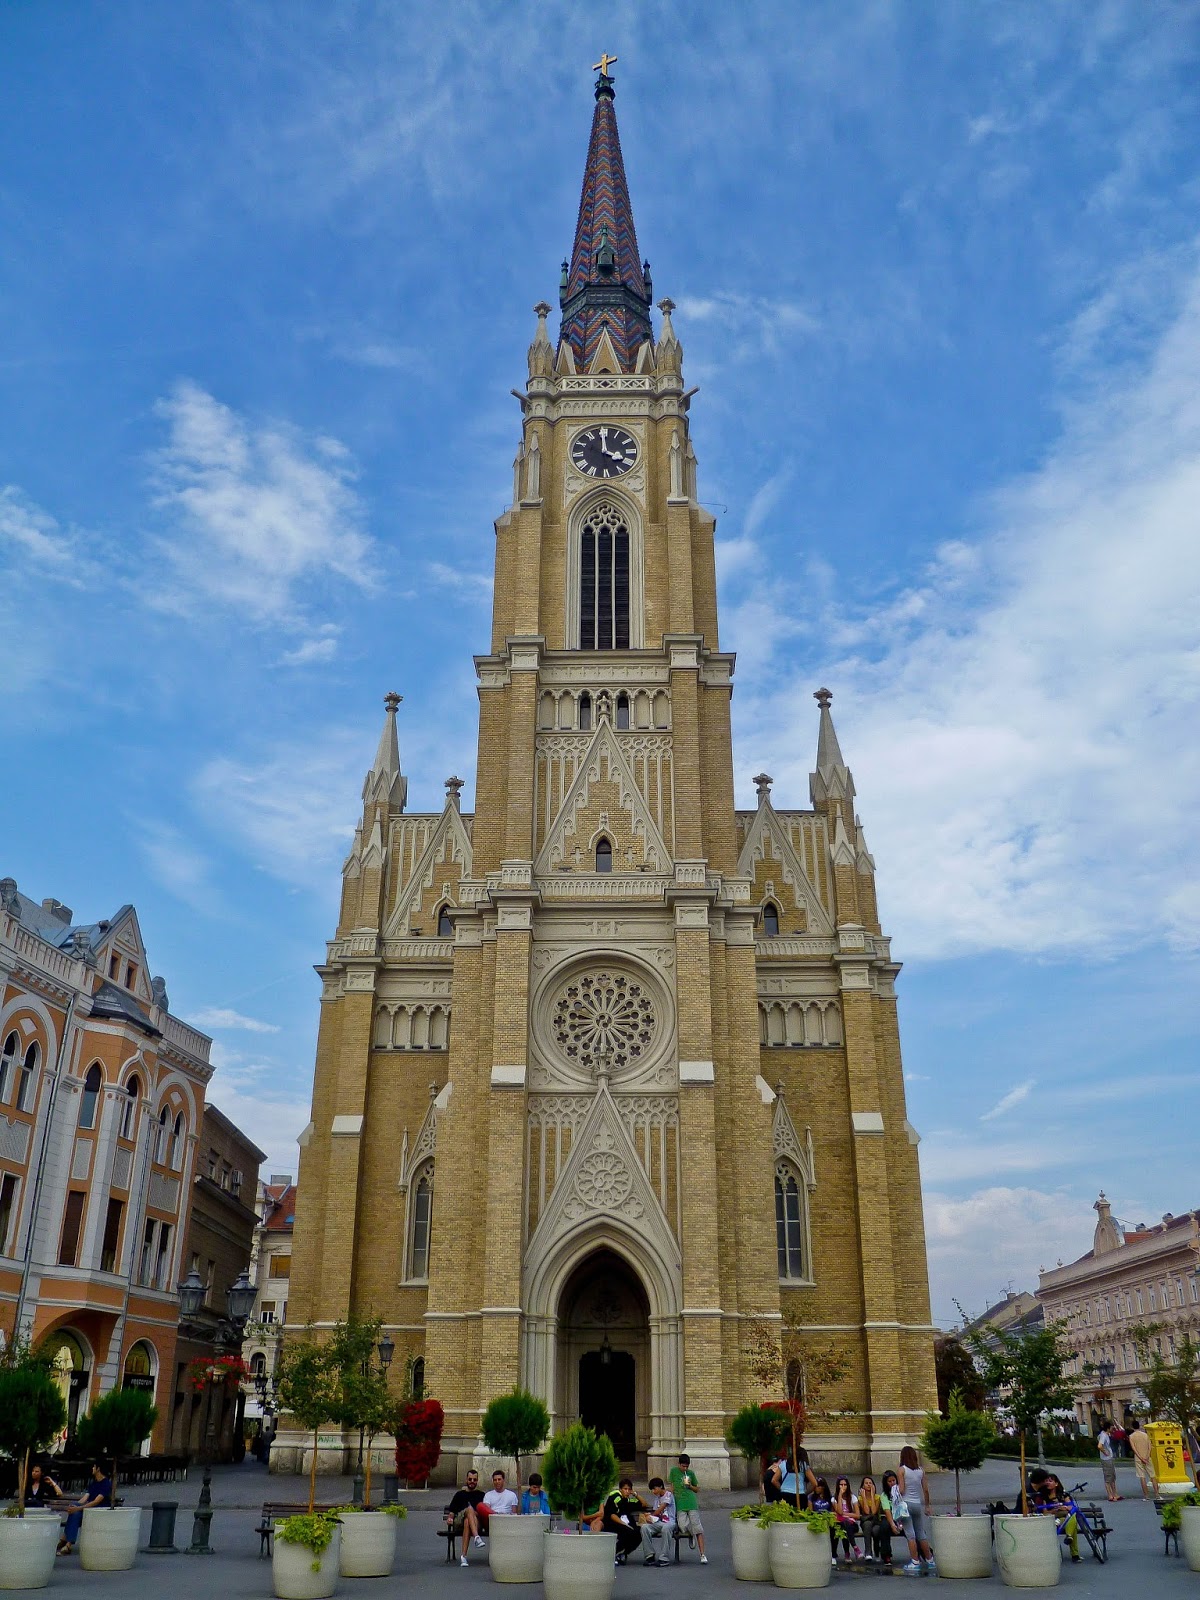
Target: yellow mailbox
{"points": [[1166, 1458]]}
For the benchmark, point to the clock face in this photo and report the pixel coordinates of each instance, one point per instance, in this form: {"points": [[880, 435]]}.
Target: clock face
{"points": [[604, 452]]}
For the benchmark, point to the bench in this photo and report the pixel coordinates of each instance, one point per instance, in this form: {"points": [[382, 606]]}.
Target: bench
{"points": [[272, 1511], [446, 1531]]}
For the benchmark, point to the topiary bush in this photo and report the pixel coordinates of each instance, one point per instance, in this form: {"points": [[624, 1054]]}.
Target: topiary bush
{"points": [[959, 1441], [32, 1414], [116, 1426], [578, 1469], [515, 1424]]}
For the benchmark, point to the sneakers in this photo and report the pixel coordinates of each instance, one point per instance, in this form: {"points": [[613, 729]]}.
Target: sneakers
{"points": [[912, 1569], [931, 1567], [703, 1561], [868, 1556], [479, 1541], [463, 1562]]}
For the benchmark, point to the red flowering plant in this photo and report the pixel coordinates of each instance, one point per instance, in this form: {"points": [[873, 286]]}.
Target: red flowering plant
{"points": [[229, 1370], [418, 1432]]}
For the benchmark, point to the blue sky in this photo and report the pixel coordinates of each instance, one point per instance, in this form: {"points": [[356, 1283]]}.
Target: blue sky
{"points": [[266, 273]]}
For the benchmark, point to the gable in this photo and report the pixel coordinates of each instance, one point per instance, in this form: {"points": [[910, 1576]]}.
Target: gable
{"points": [[604, 797], [446, 860], [767, 839]]}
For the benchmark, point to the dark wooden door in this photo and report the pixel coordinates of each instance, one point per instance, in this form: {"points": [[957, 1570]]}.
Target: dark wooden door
{"points": [[606, 1398]]}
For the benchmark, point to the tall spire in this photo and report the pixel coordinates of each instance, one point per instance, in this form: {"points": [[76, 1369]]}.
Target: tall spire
{"points": [[605, 285], [385, 782], [831, 780]]}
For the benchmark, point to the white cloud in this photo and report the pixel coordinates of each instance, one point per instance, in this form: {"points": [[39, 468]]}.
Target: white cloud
{"points": [[473, 585], [223, 1017], [264, 1102], [176, 863], [257, 513], [1014, 1097], [751, 325], [1021, 723], [320, 647], [35, 542]]}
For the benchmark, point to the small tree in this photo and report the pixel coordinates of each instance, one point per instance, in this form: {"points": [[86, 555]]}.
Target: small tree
{"points": [[756, 1432], [787, 1360], [32, 1412], [579, 1467], [515, 1424], [309, 1384], [955, 1368], [364, 1400], [960, 1440], [418, 1426], [1172, 1387], [1028, 1367], [116, 1426]]}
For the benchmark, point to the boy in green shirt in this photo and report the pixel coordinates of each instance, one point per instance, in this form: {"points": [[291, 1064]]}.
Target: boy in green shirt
{"points": [[687, 1512]]}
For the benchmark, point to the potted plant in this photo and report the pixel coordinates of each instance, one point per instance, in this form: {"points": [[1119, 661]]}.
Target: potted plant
{"points": [[368, 1539], [579, 1469], [758, 1432], [417, 1425], [960, 1442], [751, 1552], [1181, 1515], [32, 1414], [114, 1427], [1026, 1366], [308, 1386], [306, 1556], [798, 1545], [516, 1425]]}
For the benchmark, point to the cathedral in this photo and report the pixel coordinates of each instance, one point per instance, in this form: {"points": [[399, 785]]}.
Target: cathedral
{"points": [[608, 1072]]}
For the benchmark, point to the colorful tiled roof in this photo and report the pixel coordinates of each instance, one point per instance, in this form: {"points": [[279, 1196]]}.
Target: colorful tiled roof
{"points": [[605, 286]]}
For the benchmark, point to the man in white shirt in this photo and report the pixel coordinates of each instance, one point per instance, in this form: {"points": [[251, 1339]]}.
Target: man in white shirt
{"points": [[498, 1501], [660, 1520]]}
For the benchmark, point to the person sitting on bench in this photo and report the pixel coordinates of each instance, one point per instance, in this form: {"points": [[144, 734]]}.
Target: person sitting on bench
{"points": [[619, 1515], [497, 1502], [535, 1502], [658, 1523], [98, 1493], [41, 1487], [462, 1514]]}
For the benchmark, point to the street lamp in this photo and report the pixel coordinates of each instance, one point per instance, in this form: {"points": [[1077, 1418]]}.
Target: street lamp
{"points": [[385, 1349], [239, 1302]]}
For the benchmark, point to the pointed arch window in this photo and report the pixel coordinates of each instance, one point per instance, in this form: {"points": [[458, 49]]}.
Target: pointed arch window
{"points": [[445, 928], [604, 855], [177, 1138], [160, 1145], [27, 1078], [8, 1056], [770, 920], [622, 711], [90, 1098], [421, 1225], [604, 580], [416, 1378], [133, 1090], [789, 1222], [585, 712]]}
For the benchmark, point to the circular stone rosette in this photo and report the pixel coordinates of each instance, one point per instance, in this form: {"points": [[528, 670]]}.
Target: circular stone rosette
{"points": [[604, 1019]]}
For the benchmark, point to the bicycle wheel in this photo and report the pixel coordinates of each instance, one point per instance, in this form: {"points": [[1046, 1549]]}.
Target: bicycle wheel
{"points": [[1094, 1544]]}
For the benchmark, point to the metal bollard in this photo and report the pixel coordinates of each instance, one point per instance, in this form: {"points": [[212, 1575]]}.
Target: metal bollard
{"points": [[162, 1529], [391, 1488]]}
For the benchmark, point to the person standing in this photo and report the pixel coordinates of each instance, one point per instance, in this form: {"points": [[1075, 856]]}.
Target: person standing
{"points": [[1139, 1444], [687, 1504], [1108, 1463], [915, 1491]]}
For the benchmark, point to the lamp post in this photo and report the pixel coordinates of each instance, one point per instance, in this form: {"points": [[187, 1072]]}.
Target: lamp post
{"points": [[239, 1302], [385, 1349]]}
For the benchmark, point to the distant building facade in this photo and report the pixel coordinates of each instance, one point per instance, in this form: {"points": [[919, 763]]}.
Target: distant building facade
{"points": [[1019, 1312], [1129, 1277], [101, 1101], [271, 1272], [222, 1226]]}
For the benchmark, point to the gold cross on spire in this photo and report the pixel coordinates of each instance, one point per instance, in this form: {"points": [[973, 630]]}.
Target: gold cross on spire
{"points": [[604, 63]]}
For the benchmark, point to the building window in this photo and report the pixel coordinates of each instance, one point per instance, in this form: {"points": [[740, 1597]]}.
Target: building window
{"points": [[112, 1236], [422, 1223], [68, 1245], [7, 1056], [1179, 1291], [161, 1138], [770, 920], [603, 855], [585, 712], [1150, 1297], [177, 1137], [8, 1204], [133, 1091], [789, 1223], [258, 1365], [281, 1267], [1138, 1294], [28, 1075], [147, 1255], [604, 581], [90, 1098], [163, 1265], [622, 711], [416, 1378], [445, 928], [267, 1314]]}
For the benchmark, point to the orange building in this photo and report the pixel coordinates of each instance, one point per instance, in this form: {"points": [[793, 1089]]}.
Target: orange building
{"points": [[101, 1099]]}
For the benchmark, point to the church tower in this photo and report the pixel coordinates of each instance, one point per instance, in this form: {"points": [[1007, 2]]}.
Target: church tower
{"points": [[608, 1072]]}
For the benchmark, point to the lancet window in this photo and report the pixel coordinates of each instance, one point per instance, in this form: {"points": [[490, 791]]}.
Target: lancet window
{"points": [[421, 1221], [604, 580], [790, 1231]]}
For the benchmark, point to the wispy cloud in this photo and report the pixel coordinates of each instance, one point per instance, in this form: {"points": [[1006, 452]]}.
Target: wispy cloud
{"points": [[472, 585], [32, 541], [176, 863], [1007, 1102], [320, 647], [256, 513], [751, 325], [224, 1018]]}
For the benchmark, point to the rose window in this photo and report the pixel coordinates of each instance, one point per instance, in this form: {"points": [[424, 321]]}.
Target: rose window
{"points": [[604, 1018]]}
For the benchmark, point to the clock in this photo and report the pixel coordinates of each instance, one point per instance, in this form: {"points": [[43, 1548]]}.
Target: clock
{"points": [[604, 452]]}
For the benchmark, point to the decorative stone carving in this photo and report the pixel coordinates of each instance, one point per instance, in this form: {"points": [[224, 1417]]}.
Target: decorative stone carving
{"points": [[604, 1013], [602, 1181]]}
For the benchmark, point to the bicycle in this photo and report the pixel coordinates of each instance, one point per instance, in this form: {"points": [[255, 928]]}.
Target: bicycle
{"points": [[1096, 1533]]}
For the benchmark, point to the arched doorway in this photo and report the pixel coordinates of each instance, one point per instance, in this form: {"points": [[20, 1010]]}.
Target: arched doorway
{"points": [[604, 1353], [70, 1365]]}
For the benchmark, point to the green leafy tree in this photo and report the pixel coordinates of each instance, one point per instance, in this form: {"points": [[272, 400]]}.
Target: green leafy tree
{"points": [[1027, 1367], [32, 1411], [116, 1426], [579, 1468], [756, 1432], [789, 1362], [309, 1384], [364, 1400], [956, 1369], [1171, 1384], [515, 1424], [959, 1441]]}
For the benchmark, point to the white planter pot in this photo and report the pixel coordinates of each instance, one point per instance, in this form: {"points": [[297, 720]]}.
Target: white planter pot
{"points": [[751, 1555], [108, 1540], [1027, 1552], [368, 1544], [27, 1546], [578, 1566], [515, 1547], [962, 1546], [292, 1569], [1189, 1534], [799, 1559]]}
